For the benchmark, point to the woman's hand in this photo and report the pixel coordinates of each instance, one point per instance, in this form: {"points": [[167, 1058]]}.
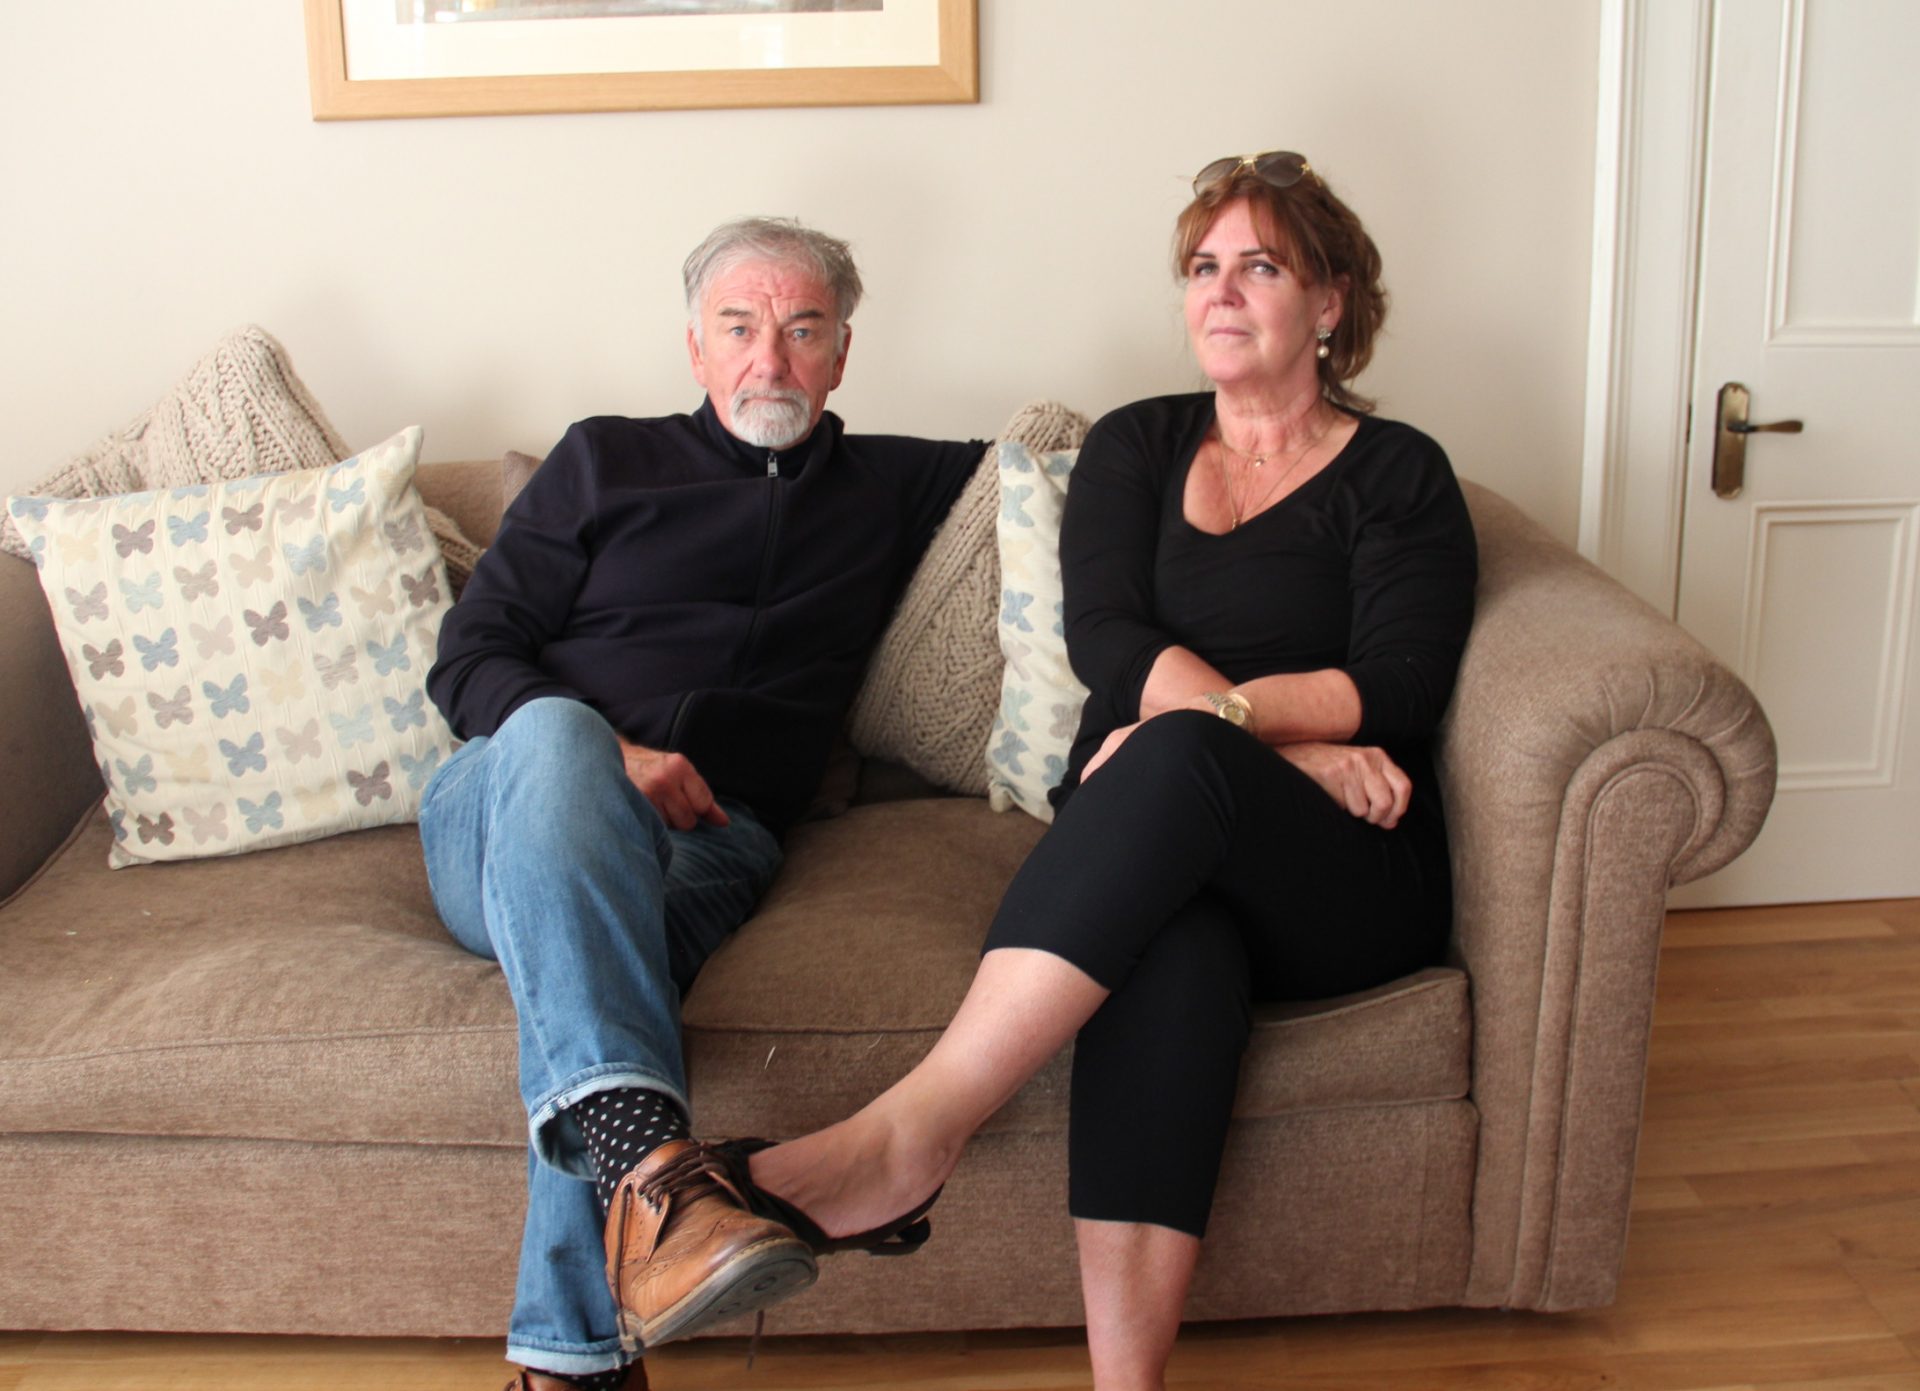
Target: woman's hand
{"points": [[1107, 746], [1360, 778]]}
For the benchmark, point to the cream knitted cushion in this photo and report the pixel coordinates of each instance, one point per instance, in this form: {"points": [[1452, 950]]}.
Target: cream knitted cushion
{"points": [[933, 686], [239, 411]]}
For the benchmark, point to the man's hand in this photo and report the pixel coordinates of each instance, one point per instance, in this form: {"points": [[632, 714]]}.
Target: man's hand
{"points": [[1362, 779], [673, 785]]}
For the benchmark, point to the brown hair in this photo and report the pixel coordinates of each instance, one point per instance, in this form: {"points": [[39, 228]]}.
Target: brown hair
{"points": [[1317, 237]]}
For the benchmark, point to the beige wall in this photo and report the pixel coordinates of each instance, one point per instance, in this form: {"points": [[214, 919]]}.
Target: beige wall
{"points": [[494, 278]]}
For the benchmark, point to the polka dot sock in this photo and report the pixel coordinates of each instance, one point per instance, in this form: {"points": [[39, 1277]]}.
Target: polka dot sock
{"points": [[592, 1381], [622, 1127]]}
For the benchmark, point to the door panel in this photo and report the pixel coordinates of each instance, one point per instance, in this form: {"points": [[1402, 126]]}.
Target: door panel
{"points": [[1810, 296]]}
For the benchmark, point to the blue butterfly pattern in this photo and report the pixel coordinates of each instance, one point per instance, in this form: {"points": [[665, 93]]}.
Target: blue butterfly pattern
{"points": [[260, 815], [419, 770], [354, 729], [242, 758], [230, 701], [163, 651], [388, 659], [145, 595], [404, 715], [139, 778], [312, 556], [325, 614]]}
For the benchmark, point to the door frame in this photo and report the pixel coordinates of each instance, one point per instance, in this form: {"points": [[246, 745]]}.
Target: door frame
{"points": [[1650, 156]]}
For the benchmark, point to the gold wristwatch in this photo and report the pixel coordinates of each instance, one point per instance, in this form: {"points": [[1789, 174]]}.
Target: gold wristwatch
{"points": [[1230, 706]]}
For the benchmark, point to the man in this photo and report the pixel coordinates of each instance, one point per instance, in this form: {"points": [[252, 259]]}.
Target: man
{"points": [[650, 665]]}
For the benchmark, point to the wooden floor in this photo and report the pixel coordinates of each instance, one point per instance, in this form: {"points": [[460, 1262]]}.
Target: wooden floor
{"points": [[1775, 1242]]}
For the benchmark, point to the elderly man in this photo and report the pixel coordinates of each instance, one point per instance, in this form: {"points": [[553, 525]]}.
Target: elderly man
{"points": [[650, 666]]}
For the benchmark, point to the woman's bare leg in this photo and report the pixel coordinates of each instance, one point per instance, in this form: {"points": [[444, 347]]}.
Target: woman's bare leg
{"points": [[1024, 1006], [1134, 1279]]}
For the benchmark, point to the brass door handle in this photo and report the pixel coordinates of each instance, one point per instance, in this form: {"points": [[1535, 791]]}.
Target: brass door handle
{"points": [[1730, 439]]}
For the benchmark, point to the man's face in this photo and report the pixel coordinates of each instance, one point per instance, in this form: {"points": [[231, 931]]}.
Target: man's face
{"points": [[768, 347]]}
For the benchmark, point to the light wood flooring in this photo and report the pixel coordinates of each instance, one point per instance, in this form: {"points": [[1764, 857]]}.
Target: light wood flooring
{"points": [[1775, 1240]]}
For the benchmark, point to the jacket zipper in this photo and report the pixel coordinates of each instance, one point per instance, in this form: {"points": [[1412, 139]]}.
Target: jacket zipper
{"points": [[766, 560]]}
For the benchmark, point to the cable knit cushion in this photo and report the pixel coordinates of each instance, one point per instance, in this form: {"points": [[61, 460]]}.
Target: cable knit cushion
{"points": [[933, 685], [251, 656], [239, 411], [1040, 698]]}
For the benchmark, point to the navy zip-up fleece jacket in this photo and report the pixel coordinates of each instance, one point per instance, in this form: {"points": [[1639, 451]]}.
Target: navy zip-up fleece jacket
{"points": [[706, 596]]}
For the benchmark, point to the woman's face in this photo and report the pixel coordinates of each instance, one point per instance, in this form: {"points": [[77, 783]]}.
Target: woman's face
{"points": [[1250, 320]]}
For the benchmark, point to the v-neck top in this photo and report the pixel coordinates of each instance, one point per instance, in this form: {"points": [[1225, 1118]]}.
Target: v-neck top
{"points": [[1368, 567]]}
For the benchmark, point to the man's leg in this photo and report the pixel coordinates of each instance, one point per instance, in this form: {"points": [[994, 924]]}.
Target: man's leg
{"points": [[543, 856]]}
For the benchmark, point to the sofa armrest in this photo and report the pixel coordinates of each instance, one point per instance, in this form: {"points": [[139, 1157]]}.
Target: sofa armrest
{"points": [[50, 776], [1594, 755]]}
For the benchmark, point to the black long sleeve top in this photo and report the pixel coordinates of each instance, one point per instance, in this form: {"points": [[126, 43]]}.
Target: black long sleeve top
{"points": [[1368, 568], [705, 595]]}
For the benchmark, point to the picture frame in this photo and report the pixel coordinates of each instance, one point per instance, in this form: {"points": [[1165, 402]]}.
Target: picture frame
{"points": [[664, 67]]}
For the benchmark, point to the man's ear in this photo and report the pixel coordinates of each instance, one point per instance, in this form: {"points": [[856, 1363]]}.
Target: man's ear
{"points": [[694, 356], [840, 362]]}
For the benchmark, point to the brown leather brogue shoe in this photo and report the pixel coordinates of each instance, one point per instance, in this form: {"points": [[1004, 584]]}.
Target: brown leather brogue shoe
{"points": [[684, 1252]]}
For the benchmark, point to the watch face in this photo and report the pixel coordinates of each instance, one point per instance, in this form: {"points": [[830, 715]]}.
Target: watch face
{"points": [[1227, 708]]}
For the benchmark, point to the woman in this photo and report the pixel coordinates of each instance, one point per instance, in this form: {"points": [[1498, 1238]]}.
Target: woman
{"points": [[1267, 593]]}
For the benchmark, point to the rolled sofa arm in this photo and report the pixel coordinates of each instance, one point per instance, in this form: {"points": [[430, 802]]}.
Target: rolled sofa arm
{"points": [[49, 772], [1594, 755]]}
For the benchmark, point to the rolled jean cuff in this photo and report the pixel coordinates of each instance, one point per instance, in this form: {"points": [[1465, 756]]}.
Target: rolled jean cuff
{"points": [[573, 1361], [555, 1135]]}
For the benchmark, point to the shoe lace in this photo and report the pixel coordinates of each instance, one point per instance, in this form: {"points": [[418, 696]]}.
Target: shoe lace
{"points": [[696, 1172]]}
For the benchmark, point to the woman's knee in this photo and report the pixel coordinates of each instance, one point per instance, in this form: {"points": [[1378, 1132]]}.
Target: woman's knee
{"points": [[1190, 983], [1180, 740]]}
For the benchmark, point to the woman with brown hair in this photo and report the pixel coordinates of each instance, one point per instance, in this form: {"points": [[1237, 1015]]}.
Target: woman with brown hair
{"points": [[1267, 593]]}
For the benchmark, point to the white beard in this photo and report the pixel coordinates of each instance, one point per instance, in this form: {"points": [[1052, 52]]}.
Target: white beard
{"points": [[769, 418]]}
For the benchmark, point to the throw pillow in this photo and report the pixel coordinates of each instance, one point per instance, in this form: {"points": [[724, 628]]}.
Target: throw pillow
{"points": [[251, 656], [1040, 698], [933, 683], [516, 470], [239, 411]]}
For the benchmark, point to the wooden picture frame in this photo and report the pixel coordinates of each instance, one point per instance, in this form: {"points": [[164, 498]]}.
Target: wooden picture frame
{"points": [[950, 75]]}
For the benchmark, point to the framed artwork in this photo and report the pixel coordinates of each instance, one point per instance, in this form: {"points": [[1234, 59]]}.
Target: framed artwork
{"points": [[383, 58]]}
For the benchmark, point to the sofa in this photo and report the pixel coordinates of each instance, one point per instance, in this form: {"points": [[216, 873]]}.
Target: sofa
{"points": [[266, 1093]]}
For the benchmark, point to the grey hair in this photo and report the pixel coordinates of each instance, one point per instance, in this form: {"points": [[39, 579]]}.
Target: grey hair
{"points": [[779, 239]]}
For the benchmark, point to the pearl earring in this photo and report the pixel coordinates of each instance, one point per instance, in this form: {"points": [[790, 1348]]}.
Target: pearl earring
{"points": [[1323, 334]]}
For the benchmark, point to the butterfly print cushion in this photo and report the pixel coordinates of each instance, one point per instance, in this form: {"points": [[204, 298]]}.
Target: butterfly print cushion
{"points": [[251, 656]]}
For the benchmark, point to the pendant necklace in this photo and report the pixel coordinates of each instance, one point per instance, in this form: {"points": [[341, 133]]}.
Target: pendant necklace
{"points": [[1236, 507]]}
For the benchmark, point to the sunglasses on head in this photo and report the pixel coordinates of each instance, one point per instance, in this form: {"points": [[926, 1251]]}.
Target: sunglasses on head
{"points": [[1280, 168]]}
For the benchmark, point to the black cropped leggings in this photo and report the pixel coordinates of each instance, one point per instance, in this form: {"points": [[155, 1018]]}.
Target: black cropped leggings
{"points": [[1197, 871]]}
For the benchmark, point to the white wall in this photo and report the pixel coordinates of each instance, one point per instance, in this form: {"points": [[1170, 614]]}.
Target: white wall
{"points": [[494, 278]]}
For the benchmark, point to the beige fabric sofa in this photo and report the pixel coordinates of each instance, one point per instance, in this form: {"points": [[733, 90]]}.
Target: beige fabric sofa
{"points": [[268, 1093]]}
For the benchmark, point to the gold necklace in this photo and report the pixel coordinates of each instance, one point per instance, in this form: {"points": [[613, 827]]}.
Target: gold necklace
{"points": [[1235, 506]]}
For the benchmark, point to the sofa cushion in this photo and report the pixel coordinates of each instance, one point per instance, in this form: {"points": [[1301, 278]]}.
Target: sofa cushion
{"points": [[934, 679], [304, 993], [1040, 697], [310, 993], [252, 655], [866, 944]]}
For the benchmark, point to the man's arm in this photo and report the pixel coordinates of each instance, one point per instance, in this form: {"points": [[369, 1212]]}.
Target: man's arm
{"points": [[519, 599]]}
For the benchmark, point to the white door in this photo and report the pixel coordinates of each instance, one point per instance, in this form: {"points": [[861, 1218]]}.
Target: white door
{"points": [[1804, 582]]}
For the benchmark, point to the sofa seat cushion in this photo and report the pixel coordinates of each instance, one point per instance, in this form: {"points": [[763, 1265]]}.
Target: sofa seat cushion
{"points": [[307, 992], [310, 993], [866, 944]]}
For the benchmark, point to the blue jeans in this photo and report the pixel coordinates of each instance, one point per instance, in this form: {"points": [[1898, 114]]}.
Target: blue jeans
{"points": [[544, 857]]}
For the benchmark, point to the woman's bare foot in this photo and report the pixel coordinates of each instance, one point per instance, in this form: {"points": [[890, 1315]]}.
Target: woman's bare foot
{"points": [[856, 1175]]}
